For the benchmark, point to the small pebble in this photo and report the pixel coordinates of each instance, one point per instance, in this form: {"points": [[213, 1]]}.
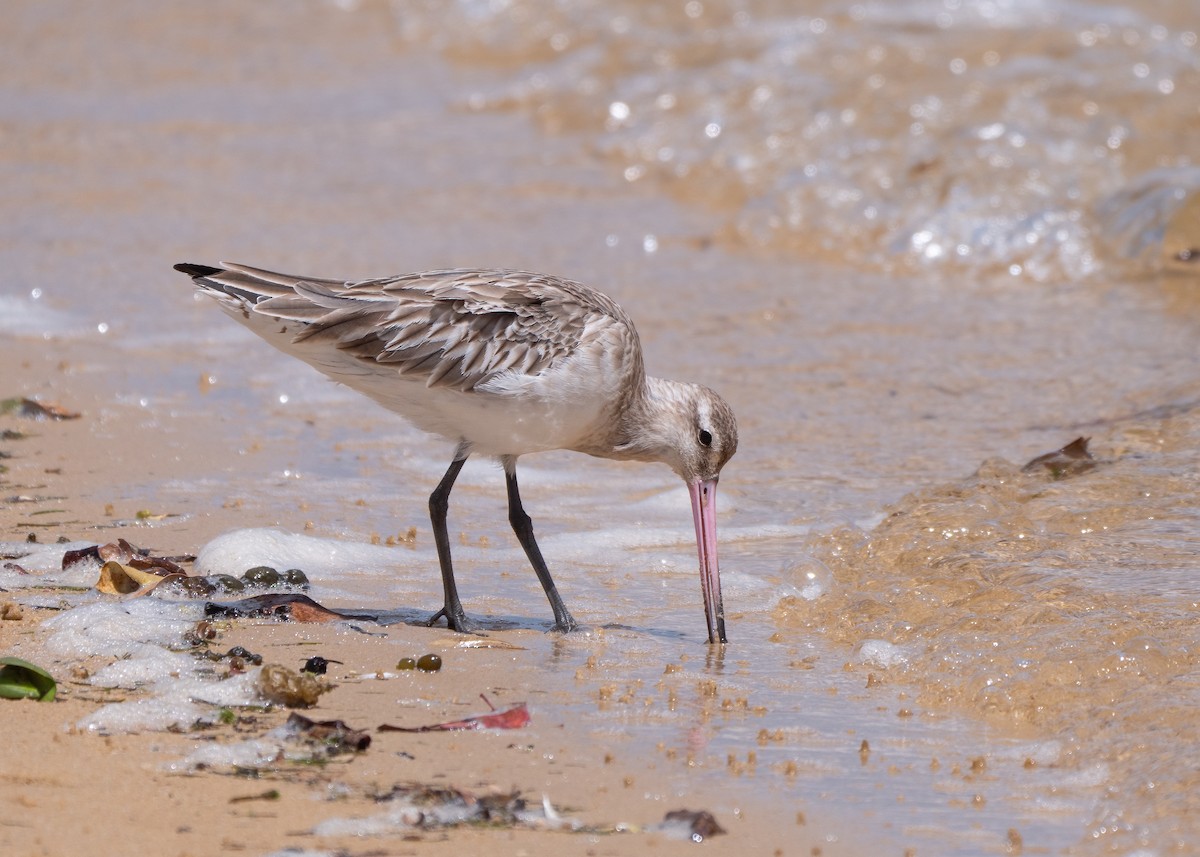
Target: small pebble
{"points": [[261, 575], [226, 582], [295, 577], [194, 587], [242, 653]]}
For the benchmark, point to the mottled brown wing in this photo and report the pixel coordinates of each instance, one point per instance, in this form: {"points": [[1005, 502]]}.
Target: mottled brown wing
{"points": [[455, 329]]}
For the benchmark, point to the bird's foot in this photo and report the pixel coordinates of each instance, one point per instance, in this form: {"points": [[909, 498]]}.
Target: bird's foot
{"points": [[565, 624], [456, 620]]}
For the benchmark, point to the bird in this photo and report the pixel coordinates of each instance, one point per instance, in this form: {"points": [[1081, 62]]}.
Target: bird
{"points": [[501, 363]]}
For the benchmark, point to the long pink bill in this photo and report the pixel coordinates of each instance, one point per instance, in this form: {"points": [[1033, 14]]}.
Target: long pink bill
{"points": [[704, 512]]}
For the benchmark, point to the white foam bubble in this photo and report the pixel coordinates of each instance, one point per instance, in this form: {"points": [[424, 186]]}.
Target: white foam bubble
{"points": [[170, 689], [44, 564], [119, 628], [811, 576], [175, 702], [586, 544], [236, 551], [146, 664], [253, 753], [138, 715], [325, 558], [881, 653]]}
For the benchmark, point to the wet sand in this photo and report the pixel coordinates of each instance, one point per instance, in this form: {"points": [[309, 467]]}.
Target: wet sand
{"points": [[972, 617], [70, 791]]}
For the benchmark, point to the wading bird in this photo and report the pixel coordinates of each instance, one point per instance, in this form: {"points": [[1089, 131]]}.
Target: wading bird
{"points": [[501, 363]]}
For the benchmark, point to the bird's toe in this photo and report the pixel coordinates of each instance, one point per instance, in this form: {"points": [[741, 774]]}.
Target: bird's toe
{"points": [[456, 621]]}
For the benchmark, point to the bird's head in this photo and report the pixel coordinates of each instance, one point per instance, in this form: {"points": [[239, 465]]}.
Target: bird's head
{"points": [[692, 430], [688, 427]]}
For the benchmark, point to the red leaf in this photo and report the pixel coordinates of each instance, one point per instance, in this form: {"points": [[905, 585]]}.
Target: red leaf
{"points": [[515, 717]]}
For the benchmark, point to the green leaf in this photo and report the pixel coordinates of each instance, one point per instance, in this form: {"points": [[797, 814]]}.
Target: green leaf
{"points": [[22, 680]]}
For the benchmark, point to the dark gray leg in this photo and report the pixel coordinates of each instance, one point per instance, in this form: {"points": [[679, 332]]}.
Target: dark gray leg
{"points": [[523, 527], [439, 505]]}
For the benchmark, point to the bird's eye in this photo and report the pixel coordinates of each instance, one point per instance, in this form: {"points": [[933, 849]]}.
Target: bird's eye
{"points": [[705, 437]]}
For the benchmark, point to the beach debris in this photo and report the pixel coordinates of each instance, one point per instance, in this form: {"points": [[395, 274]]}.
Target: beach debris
{"points": [[430, 663], [269, 794], [34, 410], [192, 586], [262, 575], [204, 632], [295, 577], [483, 643], [238, 656], [425, 807], [1071, 460], [19, 679], [513, 717], [125, 569], [299, 740], [91, 553], [688, 824], [317, 665], [135, 571], [148, 515], [287, 605], [118, 579], [114, 579], [226, 583], [333, 736], [10, 610], [123, 552], [267, 577], [283, 686]]}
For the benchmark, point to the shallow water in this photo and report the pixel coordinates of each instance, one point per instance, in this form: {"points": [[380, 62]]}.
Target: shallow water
{"points": [[914, 244]]}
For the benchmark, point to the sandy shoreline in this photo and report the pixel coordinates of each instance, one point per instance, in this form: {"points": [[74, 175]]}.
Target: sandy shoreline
{"points": [[1018, 651], [121, 787]]}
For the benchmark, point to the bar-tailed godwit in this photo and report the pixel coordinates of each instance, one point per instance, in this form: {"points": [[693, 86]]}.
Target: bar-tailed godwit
{"points": [[502, 363]]}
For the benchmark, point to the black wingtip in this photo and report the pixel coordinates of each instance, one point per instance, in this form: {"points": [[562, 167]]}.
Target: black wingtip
{"points": [[197, 270]]}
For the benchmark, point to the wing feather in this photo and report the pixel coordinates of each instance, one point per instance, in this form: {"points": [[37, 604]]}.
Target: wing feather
{"points": [[455, 328]]}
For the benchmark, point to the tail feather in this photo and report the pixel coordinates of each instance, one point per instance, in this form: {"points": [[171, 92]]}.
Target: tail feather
{"points": [[232, 281], [193, 270]]}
